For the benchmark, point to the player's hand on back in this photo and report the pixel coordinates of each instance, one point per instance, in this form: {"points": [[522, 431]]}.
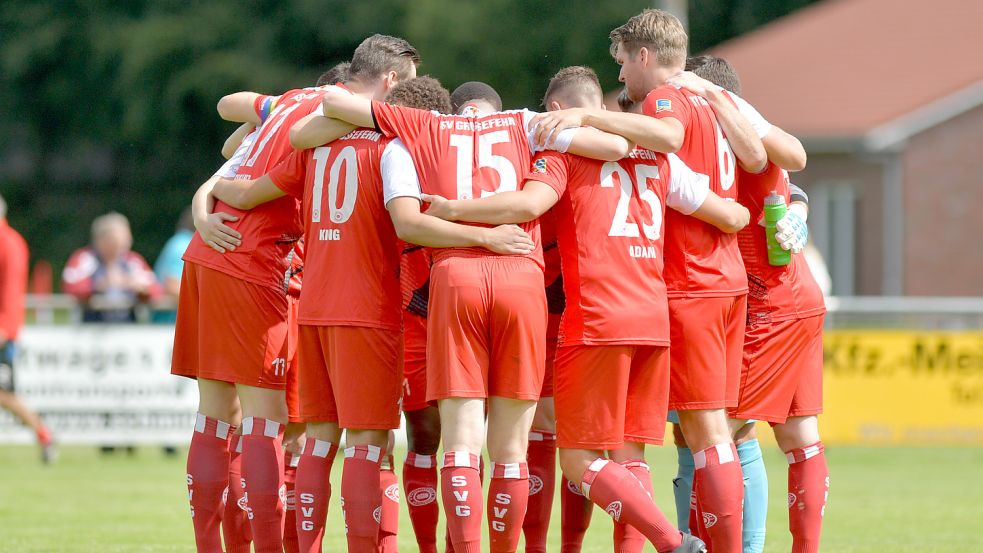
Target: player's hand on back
{"points": [[216, 234], [440, 207], [691, 82], [509, 240], [549, 124]]}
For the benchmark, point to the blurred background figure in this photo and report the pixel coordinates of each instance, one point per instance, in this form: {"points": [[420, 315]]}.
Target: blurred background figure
{"points": [[169, 266], [13, 288], [107, 276]]}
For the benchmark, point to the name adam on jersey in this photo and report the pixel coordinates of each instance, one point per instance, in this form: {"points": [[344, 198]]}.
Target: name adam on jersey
{"points": [[642, 252]]}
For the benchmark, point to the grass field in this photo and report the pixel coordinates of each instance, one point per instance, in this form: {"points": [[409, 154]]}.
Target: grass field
{"points": [[881, 500]]}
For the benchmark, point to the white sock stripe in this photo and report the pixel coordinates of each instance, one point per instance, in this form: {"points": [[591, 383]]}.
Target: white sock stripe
{"points": [[200, 423], [597, 464], [421, 461], [725, 453], [239, 445], [700, 459], [510, 470], [271, 429], [294, 460], [811, 451], [374, 453], [247, 426], [585, 489], [322, 448], [807, 453], [222, 430], [462, 459]]}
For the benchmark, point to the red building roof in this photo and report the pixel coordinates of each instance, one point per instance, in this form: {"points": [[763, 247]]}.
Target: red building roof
{"points": [[876, 70]]}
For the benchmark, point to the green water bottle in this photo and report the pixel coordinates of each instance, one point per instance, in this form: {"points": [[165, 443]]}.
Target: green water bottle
{"points": [[774, 211]]}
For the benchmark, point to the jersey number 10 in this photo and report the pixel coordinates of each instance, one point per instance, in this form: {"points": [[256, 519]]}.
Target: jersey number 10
{"points": [[347, 157]]}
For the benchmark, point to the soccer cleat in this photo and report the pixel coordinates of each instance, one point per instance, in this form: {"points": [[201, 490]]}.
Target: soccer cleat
{"points": [[49, 453], [691, 544]]}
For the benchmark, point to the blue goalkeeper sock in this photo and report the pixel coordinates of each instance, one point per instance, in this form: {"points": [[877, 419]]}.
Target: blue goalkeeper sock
{"points": [[755, 496], [682, 487]]}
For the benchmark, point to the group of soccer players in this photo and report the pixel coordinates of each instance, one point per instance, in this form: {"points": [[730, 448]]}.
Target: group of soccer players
{"points": [[512, 282]]}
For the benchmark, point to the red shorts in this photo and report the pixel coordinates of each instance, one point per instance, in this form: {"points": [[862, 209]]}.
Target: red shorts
{"points": [[290, 354], [486, 332], [350, 375], [414, 363], [707, 340], [229, 330], [552, 338], [607, 395], [782, 374]]}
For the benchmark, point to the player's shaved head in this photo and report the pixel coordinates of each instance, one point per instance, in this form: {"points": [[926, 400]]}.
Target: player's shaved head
{"points": [[475, 90], [337, 74], [575, 86], [380, 54], [422, 93], [658, 31], [716, 70]]}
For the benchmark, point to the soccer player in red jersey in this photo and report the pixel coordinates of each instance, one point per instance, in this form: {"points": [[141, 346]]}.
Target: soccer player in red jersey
{"points": [[349, 318], [611, 367], [781, 379], [241, 361], [487, 321], [704, 272]]}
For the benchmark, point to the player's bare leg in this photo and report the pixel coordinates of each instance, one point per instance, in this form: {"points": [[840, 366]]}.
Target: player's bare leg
{"points": [[632, 457], [12, 403], [420, 475], [808, 480], [717, 481], [541, 458], [462, 430], [208, 460], [312, 488], [360, 494], [616, 490], [264, 413], [293, 446]]}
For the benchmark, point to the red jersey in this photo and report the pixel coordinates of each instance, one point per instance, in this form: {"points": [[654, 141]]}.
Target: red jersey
{"points": [[774, 293], [268, 230], [351, 259], [609, 224], [294, 278], [460, 157], [700, 259], [552, 274], [13, 280]]}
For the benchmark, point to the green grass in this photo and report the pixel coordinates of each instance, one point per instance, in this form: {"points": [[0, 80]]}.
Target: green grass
{"points": [[897, 500]]}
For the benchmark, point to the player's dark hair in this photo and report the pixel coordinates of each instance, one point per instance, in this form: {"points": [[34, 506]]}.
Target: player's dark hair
{"points": [[380, 54], [716, 70], [423, 92], [475, 90], [576, 81], [335, 75], [625, 103]]}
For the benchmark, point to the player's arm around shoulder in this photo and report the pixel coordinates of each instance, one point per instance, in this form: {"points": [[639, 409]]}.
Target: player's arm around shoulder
{"points": [[247, 194], [785, 150], [316, 130], [418, 228], [660, 135], [689, 193], [518, 206], [338, 103], [239, 107]]}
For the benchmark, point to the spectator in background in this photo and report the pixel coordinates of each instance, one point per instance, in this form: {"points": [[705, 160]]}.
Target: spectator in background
{"points": [[13, 288], [107, 276], [169, 264]]}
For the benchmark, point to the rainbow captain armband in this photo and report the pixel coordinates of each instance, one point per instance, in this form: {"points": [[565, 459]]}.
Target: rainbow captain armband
{"points": [[266, 107]]}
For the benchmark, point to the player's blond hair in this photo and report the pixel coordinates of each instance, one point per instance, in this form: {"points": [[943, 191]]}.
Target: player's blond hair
{"points": [[574, 81], [658, 31]]}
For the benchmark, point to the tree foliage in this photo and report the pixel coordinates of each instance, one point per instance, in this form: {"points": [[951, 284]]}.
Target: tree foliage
{"points": [[110, 104]]}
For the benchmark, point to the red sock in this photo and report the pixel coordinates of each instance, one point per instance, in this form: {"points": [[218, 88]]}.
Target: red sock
{"points": [[575, 513], [541, 457], [696, 526], [389, 521], [808, 489], [508, 497], [361, 497], [622, 496], [43, 435], [420, 484], [235, 521], [460, 489], [626, 538], [719, 484], [208, 476], [262, 471], [290, 544], [313, 491]]}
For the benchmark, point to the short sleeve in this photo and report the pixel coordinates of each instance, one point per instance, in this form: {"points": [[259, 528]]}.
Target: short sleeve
{"points": [[406, 123], [288, 175], [550, 168], [760, 125], [399, 178], [231, 166], [687, 188], [667, 101]]}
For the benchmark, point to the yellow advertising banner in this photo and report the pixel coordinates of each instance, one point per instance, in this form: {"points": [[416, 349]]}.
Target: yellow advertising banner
{"points": [[902, 387]]}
